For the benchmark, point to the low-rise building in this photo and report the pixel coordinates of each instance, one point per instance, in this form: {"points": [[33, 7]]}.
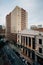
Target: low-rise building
{"points": [[31, 43], [37, 28]]}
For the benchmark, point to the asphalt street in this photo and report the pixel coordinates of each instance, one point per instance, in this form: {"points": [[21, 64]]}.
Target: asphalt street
{"points": [[9, 57]]}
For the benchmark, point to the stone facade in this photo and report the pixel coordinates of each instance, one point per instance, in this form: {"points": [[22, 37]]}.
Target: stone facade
{"points": [[32, 45]]}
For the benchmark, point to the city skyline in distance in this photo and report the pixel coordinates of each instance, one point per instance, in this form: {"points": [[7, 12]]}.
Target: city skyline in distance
{"points": [[33, 7]]}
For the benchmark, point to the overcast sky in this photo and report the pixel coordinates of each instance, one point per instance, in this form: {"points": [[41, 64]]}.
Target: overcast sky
{"points": [[33, 7]]}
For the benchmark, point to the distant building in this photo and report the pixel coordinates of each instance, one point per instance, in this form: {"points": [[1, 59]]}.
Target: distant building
{"points": [[2, 30], [37, 28], [16, 21], [31, 43], [8, 25], [0, 26], [33, 27]]}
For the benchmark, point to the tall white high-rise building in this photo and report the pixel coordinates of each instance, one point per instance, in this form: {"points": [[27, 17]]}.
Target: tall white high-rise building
{"points": [[19, 20], [16, 21]]}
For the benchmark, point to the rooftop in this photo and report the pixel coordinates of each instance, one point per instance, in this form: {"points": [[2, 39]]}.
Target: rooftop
{"points": [[32, 32]]}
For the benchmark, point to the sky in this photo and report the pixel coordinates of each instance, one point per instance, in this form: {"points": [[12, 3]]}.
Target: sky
{"points": [[33, 7]]}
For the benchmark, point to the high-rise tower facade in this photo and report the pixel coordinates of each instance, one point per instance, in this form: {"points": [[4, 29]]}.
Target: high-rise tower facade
{"points": [[18, 19]]}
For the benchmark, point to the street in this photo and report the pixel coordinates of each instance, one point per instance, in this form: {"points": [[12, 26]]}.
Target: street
{"points": [[9, 57]]}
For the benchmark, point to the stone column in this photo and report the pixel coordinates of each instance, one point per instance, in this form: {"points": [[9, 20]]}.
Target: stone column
{"points": [[21, 40], [28, 41], [35, 58]]}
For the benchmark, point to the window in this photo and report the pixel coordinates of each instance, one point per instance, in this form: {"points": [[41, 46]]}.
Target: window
{"points": [[33, 55], [40, 41], [26, 52], [40, 60], [29, 41], [33, 43], [40, 50], [26, 40]]}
